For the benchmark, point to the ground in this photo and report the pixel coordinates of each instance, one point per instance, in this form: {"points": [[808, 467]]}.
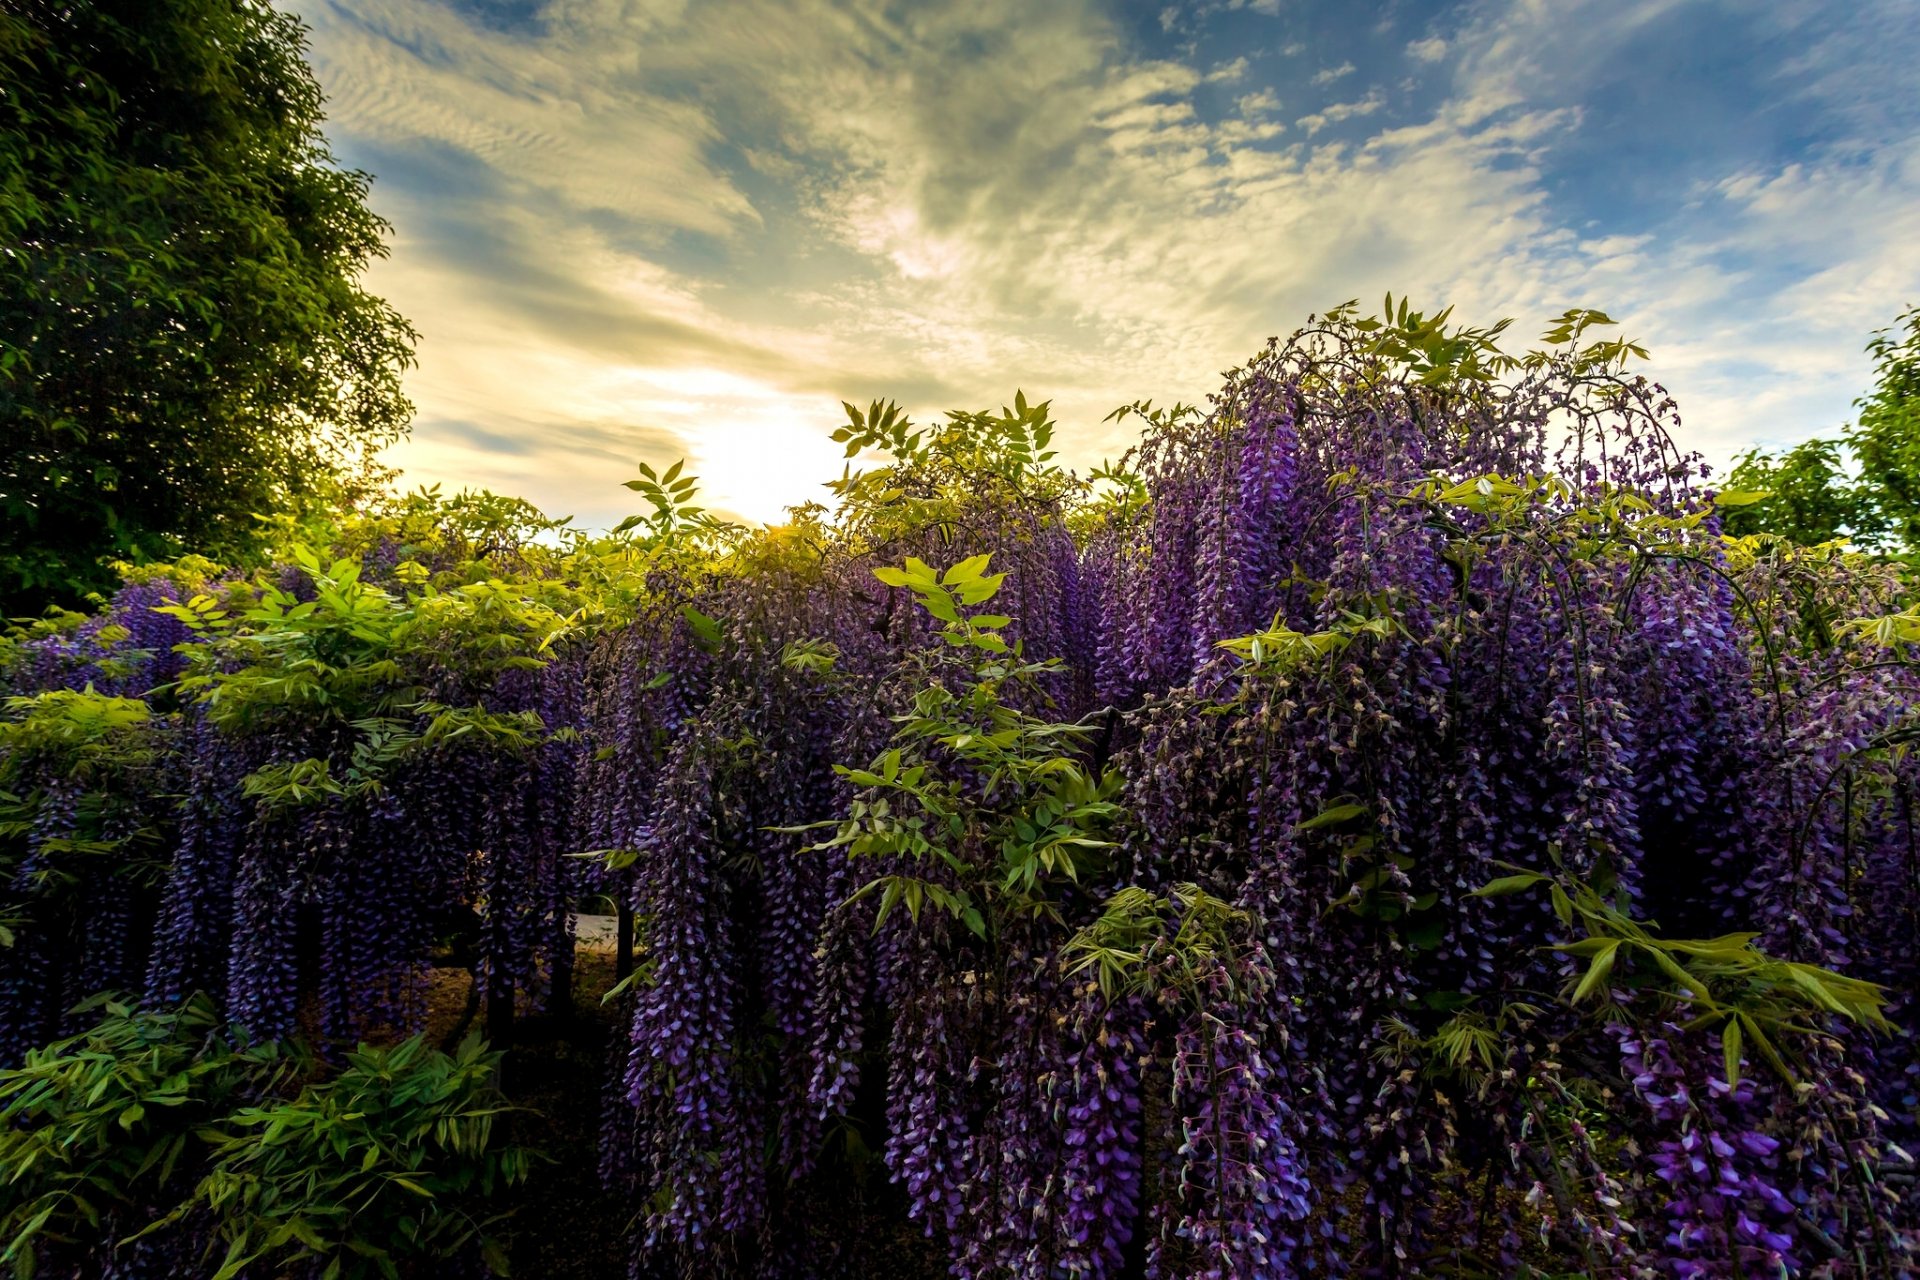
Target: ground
{"points": [[565, 1227]]}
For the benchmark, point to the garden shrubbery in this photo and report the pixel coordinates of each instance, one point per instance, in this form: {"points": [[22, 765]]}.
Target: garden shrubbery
{"points": [[1382, 826], [166, 1143]]}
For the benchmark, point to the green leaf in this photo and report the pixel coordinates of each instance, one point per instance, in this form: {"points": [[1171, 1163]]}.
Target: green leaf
{"points": [[1332, 817], [706, 630], [1597, 971], [968, 570], [1507, 885]]}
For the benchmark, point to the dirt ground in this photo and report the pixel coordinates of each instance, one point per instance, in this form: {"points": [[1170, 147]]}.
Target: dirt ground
{"points": [[565, 1227]]}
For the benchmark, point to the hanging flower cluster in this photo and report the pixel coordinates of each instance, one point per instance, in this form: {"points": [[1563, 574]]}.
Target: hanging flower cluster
{"points": [[1379, 827]]}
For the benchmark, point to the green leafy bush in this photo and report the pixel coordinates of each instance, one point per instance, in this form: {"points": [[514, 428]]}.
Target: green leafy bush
{"points": [[388, 1162], [164, 1130], [97, 1130]]}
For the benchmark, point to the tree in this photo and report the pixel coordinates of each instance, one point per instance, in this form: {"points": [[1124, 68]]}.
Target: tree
{"points": [[184, 341], [1813, 498], [1886, 438]]}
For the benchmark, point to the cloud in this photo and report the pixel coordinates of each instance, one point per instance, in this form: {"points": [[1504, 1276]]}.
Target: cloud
{"points": [[1758, 283], [1432, 49], [638, 229], [1338, 111], [1328, 75]]}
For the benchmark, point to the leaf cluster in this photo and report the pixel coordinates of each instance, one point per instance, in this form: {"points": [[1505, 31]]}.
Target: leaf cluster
{"points": [[152, 1118], [997, 804], [347, 660], [1406, 346], [383, 1164], [95, 753], [675, 519], [946, 478], [97, 1129], [1726, 983], [184, 339], [1145, 943], [1863, 486]]}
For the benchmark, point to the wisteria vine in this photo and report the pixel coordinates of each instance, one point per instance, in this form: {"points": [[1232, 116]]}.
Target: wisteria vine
{"points": [[1380, 825]]}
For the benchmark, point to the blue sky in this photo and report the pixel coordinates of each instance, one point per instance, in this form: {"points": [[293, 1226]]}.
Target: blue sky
{"points": [[644, 229]]}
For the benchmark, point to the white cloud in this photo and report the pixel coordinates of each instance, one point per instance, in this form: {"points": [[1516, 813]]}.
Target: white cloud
{"points": [[649, 229], [1758, 293], [1328, 75], [1432, 49], [1334, 113]]}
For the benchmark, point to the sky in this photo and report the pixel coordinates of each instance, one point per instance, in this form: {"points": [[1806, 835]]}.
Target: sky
{"points": [[640, 230]]}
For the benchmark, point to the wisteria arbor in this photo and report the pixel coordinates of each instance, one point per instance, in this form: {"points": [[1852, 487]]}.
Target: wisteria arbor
{"points": [[1379, 828]]}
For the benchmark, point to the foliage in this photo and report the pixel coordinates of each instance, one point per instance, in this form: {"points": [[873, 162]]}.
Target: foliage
{"points": [[185, 340], [1726, 983], [100, 1133], [1885, 437], [943, 478], [1810, 498], [387, 1163], [1143, 942], [1864, 486], [351, 655], [161, 1128], [998, 798], [84, 828], [53, 745], [1132, 868]]}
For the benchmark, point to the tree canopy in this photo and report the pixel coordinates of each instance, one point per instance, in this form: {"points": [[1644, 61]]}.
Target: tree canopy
{"points": [[1864, 486], [184, 338]]}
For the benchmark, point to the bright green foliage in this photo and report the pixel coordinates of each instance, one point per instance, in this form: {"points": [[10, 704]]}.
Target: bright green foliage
{"points": [[184, 341], [98, 1129], [360, 659], [1885, 439], [153, 1117], [1404, 345], [1280, 648], [1000, 798], [942, 478], [675, 516], [385, 1163], [1809, 497], [1866, 485], [1143, 942], [1726, 983], [474, 527]]}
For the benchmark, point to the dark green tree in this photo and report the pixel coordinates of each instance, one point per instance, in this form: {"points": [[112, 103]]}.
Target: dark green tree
{"points": [[184, 340]]}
